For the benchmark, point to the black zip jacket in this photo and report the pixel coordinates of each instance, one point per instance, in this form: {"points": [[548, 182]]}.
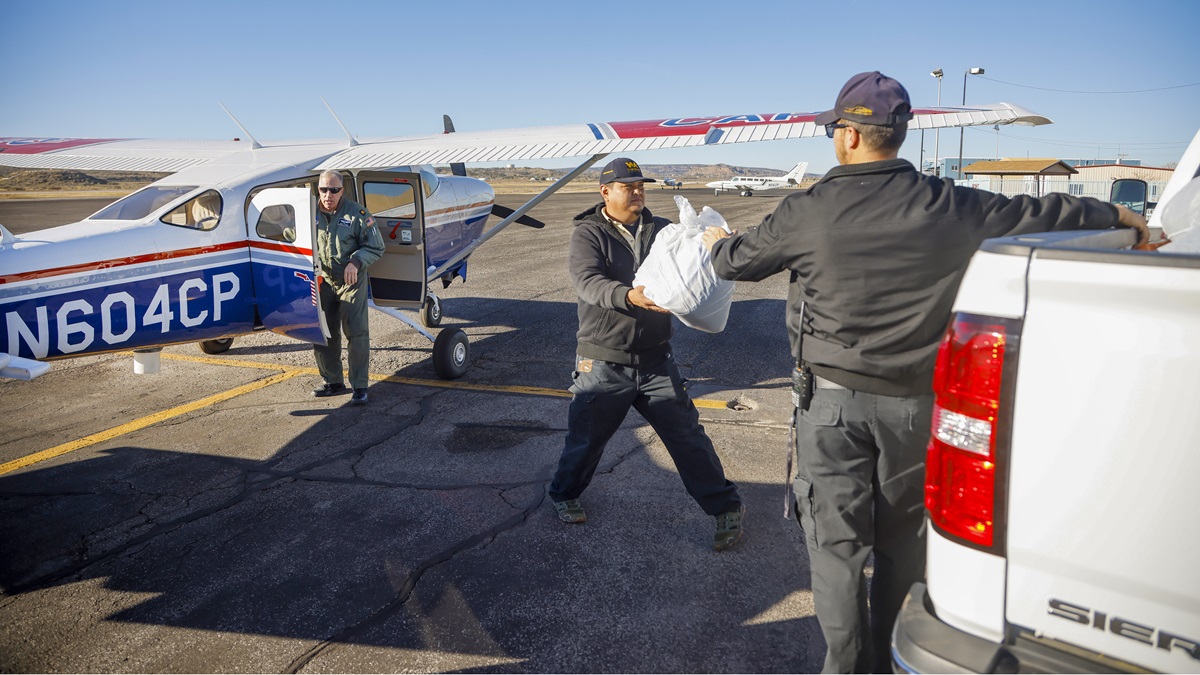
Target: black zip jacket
{"points": [[877, 251], [603, 265]]}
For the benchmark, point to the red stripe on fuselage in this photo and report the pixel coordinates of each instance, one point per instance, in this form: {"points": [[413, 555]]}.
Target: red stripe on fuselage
{"points": [[149, 257]]}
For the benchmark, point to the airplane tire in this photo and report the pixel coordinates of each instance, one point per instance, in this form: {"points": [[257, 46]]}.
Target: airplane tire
{"points": [[451, 353], [431, 312], [218, 346]]}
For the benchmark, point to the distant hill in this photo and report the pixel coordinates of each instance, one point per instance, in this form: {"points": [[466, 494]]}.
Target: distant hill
{"points": [[35, 180]]}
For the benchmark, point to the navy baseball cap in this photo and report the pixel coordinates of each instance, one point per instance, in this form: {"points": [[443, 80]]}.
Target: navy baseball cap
{"points": [[870, 98], [623, 170]]}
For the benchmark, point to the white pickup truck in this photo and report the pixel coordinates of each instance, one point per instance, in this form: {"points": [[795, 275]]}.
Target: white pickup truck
{"points": [[1063, 476]]}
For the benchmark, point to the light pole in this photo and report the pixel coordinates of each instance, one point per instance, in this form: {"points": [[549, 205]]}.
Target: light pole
{"points": [[937, 134], [962, 131]]}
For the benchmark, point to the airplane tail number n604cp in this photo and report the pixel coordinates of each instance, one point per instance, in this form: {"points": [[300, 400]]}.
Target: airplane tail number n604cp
{"points": [[224, 245]]}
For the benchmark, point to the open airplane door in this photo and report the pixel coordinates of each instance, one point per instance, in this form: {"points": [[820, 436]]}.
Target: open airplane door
{"points": [[396, 201], [282, 229]]}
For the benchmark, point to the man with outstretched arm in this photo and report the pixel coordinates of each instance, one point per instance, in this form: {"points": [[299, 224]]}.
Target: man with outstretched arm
{"points": [[876, 252]]}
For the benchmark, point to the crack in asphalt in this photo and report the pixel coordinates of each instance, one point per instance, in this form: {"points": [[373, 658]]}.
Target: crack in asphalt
{"points": [[266, 477], [480, 540], [253, 480]]}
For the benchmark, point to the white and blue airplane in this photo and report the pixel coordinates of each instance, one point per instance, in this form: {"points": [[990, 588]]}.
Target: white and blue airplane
{"points": [[746, 185], [223, 246]]}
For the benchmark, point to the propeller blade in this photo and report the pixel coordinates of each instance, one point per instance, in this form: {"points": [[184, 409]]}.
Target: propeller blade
{"points": [[504, 212]]}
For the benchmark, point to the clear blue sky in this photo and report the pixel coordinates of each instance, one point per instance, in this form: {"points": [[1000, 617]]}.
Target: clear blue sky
{"points": [[158, 69]]}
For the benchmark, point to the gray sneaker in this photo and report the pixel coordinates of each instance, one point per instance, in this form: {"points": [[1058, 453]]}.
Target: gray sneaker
{"points": [[729, 528], [570, 511]]}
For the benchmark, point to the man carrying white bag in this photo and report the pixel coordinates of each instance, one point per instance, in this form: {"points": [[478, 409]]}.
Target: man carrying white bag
{"points": [[678, 273]]}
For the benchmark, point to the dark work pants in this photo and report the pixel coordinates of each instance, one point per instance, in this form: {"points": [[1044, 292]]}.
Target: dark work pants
{"points": [[346, 312], [601, 399], [859, 485]]}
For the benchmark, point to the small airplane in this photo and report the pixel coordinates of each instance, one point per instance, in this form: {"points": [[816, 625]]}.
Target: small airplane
{"points": [[223, 246], [673, 183], [746, 185]]}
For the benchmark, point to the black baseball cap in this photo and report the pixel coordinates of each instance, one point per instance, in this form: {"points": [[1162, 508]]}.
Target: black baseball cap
{"points": [[623, 170], [870, 98]]}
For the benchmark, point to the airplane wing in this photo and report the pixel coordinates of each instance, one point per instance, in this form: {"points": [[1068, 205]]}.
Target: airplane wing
{"points": [[112, 154], [599, 139], [505, 145]]}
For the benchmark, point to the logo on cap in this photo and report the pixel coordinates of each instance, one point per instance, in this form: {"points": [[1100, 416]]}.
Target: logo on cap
{"points": [[623, 170]]}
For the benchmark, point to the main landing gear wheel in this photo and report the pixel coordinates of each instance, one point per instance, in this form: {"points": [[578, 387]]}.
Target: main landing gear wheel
{"points": [[747, 193], [431, 312], [217, 346], [451, 354]]}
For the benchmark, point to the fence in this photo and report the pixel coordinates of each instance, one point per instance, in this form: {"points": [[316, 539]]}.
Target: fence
{"points": [[1011, 186]]}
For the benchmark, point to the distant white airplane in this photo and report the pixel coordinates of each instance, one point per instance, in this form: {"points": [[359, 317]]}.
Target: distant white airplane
{"points": [[674, 183], [746, 185]]}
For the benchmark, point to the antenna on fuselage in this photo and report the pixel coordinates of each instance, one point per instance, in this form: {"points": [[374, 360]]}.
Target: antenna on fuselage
{"points": [[253, 143], [351, 140]]}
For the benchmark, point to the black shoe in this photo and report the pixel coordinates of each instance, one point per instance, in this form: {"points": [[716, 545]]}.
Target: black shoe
{"points": [[330, 390], [359, 397]]}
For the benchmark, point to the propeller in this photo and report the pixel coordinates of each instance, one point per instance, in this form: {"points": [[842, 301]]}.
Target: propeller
{"points": [[504, 212], [460, 169]]}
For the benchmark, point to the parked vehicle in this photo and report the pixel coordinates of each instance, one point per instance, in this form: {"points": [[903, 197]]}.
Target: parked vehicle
{"points": [[1061, 487]]}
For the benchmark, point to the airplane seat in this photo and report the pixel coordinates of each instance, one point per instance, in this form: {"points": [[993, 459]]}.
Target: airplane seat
{"points": [[205, 210]]}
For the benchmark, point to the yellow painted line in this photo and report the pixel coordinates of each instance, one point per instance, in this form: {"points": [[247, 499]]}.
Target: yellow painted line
{"points": [[144, 422], [419, 382], [240, 364]]}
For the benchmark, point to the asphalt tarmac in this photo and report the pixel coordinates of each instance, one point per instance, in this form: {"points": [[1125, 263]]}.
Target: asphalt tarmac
{"points": [[215, 517]]}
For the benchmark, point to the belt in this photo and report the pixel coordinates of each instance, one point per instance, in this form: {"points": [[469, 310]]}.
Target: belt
{"points": [[822, 383]]}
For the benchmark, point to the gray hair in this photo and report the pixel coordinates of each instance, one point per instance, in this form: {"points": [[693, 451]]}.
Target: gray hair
{"points": [[331, 173]]}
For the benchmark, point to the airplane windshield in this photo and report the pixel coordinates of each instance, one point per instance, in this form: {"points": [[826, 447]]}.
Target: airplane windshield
{"points": [[143, 202]]}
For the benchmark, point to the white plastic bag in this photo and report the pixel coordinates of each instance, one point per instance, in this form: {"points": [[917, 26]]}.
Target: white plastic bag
{"points": [[678, 272]]}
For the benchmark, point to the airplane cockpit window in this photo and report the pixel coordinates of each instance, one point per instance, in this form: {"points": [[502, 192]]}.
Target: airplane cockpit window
{"points": [[390, 200], [198, 213], [143, 202], [278, 223]]}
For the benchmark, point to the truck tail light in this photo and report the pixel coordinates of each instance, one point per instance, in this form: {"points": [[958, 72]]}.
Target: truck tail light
{"points": [[961, 464]]}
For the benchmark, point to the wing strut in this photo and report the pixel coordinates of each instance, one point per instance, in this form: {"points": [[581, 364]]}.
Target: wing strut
{"points": [[537, 199]]}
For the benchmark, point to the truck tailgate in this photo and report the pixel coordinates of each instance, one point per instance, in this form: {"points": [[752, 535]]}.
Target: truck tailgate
{"points": [[1106, 430]]}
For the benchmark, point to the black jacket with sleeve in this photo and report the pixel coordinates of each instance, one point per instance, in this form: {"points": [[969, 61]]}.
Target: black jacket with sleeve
{"points": [[603, 264], [877, 252]]}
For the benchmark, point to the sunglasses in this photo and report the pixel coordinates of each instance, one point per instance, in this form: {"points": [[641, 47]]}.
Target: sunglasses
{"points": [[829, 128], [334, 191]]}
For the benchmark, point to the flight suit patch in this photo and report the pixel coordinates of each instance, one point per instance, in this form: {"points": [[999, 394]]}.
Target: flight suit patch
{"points": [[585, 366]]}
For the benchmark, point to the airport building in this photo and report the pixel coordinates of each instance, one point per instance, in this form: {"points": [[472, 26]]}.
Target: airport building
{"points": [[1082, 178], [948, 166], [1079, 177]]}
